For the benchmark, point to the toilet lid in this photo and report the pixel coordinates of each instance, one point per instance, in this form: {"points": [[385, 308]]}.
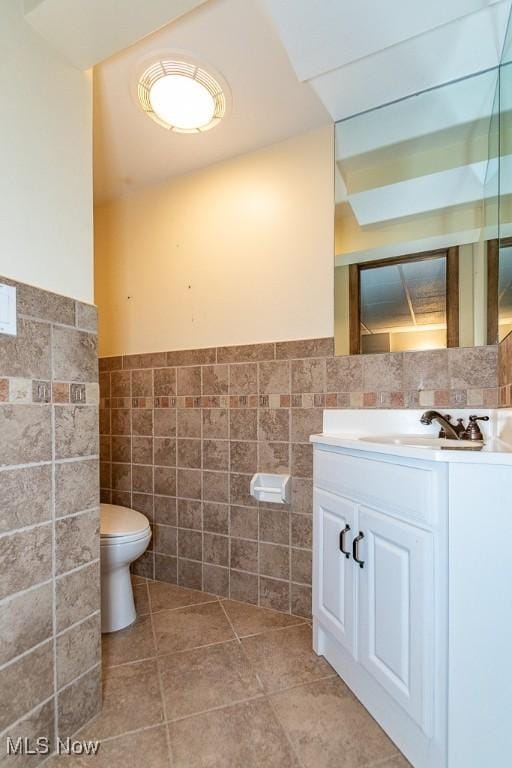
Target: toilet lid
{"points": [[121, 521]]}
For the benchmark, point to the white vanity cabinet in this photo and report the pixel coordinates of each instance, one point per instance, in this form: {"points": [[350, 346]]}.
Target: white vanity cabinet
{"points": [[412, 596]]}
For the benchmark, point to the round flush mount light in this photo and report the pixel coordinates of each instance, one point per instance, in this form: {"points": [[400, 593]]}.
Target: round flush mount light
{"points": [[181, 96]]}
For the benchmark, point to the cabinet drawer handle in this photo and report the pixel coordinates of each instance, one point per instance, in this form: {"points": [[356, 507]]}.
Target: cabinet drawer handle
{"points": [[355, 549], [342, 541]]}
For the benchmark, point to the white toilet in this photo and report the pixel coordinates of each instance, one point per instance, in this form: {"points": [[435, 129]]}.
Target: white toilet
{"points": [[124, 536]]}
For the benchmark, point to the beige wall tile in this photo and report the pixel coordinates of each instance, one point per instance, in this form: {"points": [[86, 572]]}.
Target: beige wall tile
{"points": [[40, 723], [305, 348], [86, 317], [274, 594], [274, 560], [215, 380], [74, 355], [245, 353], [189, 453], [189, 483], [76, 486], [190, 514], [215, 549], [142, 383], [308, 375], [243, 424], [216, 517], [189, 381], [79, 702], [244, 522], [243, 456], [120, 384], [216, 454], [164, 382], [165, 422], [216, 486], [243, 379], [77, 595], [216, 580], [29, 681], [27, 559], [27, 355], [78, 649], [243, 586], [215, 423], [76, 431], [274, 424], [44, 305], [26, 434], [77, 541], [244, 555], [25, 497], [25, 621], [274, 377]]}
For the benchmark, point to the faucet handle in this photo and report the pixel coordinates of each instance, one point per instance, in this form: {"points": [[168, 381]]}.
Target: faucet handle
{"points": [[473, 432]]}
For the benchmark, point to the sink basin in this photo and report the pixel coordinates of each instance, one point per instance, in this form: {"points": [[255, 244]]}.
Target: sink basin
{"points": [[425, 441]]}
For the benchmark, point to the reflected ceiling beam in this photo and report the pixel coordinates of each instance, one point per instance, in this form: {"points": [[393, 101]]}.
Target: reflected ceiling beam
{"points": [[360, 55], [86, 32]]}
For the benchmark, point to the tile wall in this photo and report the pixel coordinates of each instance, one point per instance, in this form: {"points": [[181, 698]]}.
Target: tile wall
{"points": [[183, 432], [49, 533]]}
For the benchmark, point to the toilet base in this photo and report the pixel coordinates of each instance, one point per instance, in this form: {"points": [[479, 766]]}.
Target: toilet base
{"points": [[117, 604]]}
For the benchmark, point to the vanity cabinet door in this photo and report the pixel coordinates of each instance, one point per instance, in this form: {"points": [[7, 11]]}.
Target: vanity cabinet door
{"points": [[396, 584], [335, 575]]}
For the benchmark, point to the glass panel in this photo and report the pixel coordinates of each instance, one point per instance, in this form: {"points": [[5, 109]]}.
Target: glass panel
{"points": [[412, 177], [403, 306]]}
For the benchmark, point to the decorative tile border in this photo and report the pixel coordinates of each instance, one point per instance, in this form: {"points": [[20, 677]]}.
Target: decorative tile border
{"points": [[18, 390]]}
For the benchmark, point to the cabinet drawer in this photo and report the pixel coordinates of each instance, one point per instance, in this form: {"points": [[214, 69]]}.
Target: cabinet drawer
{"points": [[412, 491]]}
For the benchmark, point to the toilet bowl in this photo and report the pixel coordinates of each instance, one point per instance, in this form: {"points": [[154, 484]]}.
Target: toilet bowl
{"points": [[124, 536]]}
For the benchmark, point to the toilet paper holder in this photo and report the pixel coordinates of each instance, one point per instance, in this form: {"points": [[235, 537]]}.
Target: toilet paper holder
{"points": [[271, 487]]}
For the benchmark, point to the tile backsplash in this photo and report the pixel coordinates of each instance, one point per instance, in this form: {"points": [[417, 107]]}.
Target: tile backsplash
{"points": [[182, 433], [49, 532]]}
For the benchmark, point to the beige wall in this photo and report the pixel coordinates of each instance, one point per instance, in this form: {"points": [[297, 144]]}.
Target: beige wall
{"points": [[239, 252], [46, 162]]}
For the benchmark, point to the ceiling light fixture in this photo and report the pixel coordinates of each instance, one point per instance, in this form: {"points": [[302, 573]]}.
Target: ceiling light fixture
{"points": [[181, 96]]}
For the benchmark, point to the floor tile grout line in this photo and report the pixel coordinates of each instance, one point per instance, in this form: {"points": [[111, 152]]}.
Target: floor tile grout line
{"points": [[285, 732], [180, 607], [160, 684], [299, 623], [220, 707], [230, 622]]}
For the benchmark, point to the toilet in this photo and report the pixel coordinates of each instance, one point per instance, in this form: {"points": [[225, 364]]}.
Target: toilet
{"points": [[124, 536]]}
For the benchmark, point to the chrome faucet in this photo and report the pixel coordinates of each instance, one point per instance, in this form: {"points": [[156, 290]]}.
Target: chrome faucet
{"points": [[450, 431]]}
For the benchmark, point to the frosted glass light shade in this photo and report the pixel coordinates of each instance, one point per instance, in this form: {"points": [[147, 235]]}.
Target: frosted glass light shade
{"points": [[182, 102], [181, 96]]}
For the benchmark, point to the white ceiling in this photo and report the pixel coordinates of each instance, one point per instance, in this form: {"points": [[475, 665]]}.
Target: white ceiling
{"points": [[88, 31], [234, 37], [291, 67], [359, 54]]}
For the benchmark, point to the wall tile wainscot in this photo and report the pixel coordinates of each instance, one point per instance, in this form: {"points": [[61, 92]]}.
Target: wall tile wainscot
{"points": [[50, 672], [182, 432]]}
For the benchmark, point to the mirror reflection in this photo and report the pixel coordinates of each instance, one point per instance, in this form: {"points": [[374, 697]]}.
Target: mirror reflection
{"points": [[416, 226]]}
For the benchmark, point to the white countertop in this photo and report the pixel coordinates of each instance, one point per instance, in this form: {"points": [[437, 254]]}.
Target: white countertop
{"points": [[352, 428]]}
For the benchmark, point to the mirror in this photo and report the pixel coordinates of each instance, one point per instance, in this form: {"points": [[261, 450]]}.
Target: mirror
{"points": [[503, 266], [416, 225]]}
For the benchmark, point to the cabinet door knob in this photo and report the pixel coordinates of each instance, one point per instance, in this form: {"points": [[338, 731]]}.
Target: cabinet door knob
{"points": [[355, 549], [342, 541]]}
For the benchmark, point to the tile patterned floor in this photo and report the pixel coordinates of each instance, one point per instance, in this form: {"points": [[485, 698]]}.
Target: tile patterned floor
{"points": [[203, 682]]}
